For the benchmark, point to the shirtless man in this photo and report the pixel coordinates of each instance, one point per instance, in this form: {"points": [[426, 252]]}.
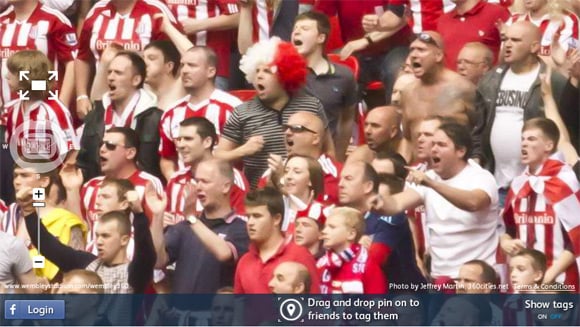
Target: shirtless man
{"points": [[437, 90], [382, 133]]}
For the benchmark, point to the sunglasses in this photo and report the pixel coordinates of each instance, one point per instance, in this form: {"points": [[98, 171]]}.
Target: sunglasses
{"points": [[297, 128], [110, 145], [469, 62], [427, 38]]}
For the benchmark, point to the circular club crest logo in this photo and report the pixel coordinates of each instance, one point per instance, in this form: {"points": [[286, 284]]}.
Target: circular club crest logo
{"points": [[41, 145]]}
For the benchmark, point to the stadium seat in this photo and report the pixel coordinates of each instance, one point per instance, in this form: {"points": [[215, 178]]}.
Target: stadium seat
{"points": [[244, 95]]}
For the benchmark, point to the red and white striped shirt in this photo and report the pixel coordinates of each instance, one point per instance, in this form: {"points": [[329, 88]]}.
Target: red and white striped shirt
{"points": [[11, 219], [217, 109], [425, 13], [331, 169], [567, 27], [89, 193], [3, 209], [44, 129], [314, 210], [175, 191], [219, 41], [46, 30], [262, 20], [104, 25], [543, 209]]}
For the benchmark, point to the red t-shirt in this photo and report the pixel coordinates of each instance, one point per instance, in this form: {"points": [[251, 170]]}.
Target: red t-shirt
{"points": [[253, 275], [476, 25], [350, 14]]}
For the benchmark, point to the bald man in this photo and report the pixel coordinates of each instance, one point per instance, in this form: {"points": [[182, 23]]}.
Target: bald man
{"points": [[438, 90], [506, 97], [474, 60], [290, 278], [304, 135], [382, 133], [402, 82]]}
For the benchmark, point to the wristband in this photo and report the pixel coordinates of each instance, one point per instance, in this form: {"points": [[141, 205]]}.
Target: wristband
{"points": [[369, 40], [82, 97]]}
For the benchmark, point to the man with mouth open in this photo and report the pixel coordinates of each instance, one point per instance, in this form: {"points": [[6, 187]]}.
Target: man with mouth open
{"points": [[334, 85], [542, 205], [255, 129], [117, 156], [125, 104], [460, 201], [508, 96], [437, 90]]}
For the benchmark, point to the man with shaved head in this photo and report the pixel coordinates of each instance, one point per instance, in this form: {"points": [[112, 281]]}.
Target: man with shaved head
{"points": [[290, 277], [304, 135], [438, 90], [507, 97], [382, 133]]}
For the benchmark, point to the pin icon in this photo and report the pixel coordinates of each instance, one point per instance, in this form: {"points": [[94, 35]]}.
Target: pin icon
{"points": [[291, 308]]}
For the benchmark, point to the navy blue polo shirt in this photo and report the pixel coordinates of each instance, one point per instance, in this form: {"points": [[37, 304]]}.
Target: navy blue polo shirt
{"points": [[196, 268]]}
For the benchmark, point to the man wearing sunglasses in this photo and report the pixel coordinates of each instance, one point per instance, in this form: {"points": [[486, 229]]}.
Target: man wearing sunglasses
{"points": [[389, 237], [125, 104], [118, 155], [437, 90], [304, 136]]}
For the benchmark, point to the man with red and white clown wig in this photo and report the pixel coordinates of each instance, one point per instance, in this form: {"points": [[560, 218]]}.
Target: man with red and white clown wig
{"points": [[255, 130]]}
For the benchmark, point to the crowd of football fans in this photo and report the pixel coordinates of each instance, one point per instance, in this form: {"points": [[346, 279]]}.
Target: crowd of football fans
{"points": [[285, 146]]}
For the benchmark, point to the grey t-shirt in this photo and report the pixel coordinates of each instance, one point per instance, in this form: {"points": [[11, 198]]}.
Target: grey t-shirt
{"points": [[14, 259]]}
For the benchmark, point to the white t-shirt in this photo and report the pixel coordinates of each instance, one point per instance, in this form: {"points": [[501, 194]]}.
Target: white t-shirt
{"points": [[457, 236], [14, 259], [506, 132]]}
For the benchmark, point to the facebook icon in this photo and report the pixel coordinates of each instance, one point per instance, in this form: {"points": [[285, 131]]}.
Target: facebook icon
{"points": [[9, 310], [34, 309]]}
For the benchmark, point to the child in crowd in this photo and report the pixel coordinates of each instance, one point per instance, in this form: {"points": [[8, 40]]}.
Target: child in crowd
{"points": [[346, 266], [527, 269]]}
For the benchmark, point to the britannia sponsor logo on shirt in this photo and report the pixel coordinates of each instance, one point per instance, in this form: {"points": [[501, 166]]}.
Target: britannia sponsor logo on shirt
{"points": [[536, 218], [127, 45], [6, 53], [182, 2]]}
